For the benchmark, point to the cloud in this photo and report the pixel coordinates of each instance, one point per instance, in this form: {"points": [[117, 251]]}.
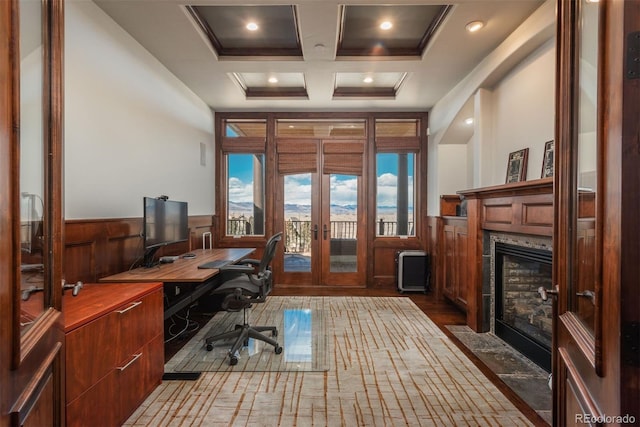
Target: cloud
{"points": [[298, 190], [240, 191]]}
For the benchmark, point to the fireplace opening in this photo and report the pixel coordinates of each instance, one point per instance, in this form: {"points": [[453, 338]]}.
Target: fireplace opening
{"points": [[522, 318]]}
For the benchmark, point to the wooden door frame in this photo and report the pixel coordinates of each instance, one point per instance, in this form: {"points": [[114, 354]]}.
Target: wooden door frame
{"points": [[32, 363], [596, 375]]}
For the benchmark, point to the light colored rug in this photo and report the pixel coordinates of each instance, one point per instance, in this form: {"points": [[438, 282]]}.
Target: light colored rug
{"points": [[389, 365], [301, 333]]}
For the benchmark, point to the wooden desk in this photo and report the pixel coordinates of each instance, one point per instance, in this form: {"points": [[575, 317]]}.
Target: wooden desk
{"points": [[183, 271]]}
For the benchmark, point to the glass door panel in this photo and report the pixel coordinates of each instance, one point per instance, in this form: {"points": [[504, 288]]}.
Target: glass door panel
{"points": [[342, 231], [298, 231], [343, 223]]}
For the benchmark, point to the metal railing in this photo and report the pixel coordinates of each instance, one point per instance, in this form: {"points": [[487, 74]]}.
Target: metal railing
{"points": [[298, 233]]}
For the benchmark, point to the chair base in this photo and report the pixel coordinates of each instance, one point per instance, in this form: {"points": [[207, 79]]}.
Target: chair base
{"points": [[242, 333]]}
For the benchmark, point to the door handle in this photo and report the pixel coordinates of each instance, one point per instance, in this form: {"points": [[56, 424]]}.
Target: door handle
{"points": [[588, 294], [324, 231], [315, 232], [544, 292]]}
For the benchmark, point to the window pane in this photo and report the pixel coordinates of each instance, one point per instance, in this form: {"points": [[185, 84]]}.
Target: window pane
{"points": [[245, 194], [343, 219], [395, 194], [248, 128], [397, 128], [321, 128], [297, 226]]}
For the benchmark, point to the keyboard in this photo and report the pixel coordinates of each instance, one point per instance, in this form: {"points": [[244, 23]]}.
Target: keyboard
{"points": [[215, 264]]}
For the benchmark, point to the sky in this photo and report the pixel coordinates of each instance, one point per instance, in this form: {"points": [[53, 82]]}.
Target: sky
{"points": [[298, 187]]}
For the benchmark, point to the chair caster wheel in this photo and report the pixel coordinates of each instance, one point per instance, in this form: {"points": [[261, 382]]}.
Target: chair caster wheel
{"points": [[278, 349], [209, 347], [233, 360]]}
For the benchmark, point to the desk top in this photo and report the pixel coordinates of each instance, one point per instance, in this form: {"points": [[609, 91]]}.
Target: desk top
{"points": [[182, 270]]}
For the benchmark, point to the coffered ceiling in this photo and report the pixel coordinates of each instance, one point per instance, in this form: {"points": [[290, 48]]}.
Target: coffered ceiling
{"points": [[319, 55]]}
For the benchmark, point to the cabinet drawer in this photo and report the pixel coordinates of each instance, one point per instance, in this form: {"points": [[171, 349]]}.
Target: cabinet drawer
{"points": [[96, 348], [140, 378], [95, 407], [90, 354], [139, 322], [112, 400]]}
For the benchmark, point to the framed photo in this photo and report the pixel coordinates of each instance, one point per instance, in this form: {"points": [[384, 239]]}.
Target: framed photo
{"points": [[517, 166], [547, 160]]}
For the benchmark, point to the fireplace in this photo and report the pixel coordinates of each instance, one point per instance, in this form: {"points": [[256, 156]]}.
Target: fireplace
{"points": [[520, 317]]}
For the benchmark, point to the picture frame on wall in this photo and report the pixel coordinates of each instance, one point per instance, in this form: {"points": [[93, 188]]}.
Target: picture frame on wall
{"points": [[547, 160], [517, 166]]}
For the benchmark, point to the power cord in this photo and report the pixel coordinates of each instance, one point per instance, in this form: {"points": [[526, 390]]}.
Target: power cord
{"points": [[190, 326]]}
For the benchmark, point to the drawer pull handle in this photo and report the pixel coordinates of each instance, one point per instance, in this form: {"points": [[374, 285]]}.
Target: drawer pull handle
{"points": [[135, 304], [135, 357]]}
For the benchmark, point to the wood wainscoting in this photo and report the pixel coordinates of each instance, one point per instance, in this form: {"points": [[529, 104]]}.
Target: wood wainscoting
{"points": [[457, 242], [95, 248]]}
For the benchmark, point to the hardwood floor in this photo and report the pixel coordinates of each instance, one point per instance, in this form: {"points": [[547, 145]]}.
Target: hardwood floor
{"points": [[441, 312]]}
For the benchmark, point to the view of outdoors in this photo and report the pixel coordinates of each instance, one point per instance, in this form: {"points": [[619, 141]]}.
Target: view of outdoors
{"points": [[394, 203]]}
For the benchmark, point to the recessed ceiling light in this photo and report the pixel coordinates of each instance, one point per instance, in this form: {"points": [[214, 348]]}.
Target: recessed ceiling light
{"points": [[273, 79], [474, 26], [386, 25], [368, 79], [469, 121], [252, 26]]}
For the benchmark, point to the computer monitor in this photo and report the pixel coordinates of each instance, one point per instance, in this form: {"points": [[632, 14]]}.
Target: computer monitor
{"points": [[164, 222]]}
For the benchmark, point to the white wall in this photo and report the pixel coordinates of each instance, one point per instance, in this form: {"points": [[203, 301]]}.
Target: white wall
{"points": [[524, 112], [132, 129], [453, 177]]}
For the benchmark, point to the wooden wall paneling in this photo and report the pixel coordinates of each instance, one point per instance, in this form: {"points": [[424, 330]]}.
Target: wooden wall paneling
{"points": [[537, 214], [80, 261], [461, 265], [384, 267], [474, 272], [433, 227], [95, 248], [448, 204], [385, 251], [448, 262]]}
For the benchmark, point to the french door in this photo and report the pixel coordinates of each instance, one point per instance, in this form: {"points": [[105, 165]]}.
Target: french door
{"points": [[322, 217]]}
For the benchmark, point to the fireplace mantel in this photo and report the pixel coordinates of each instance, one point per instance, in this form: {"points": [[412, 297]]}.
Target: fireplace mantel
{"points": [[524, 208]]}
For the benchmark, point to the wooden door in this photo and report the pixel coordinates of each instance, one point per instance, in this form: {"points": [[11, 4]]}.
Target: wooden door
{"points": [[596, 227], [31, 337]]}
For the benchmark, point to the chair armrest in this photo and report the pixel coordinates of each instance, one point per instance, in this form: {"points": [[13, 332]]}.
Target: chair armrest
{"points": [[249, 261]]}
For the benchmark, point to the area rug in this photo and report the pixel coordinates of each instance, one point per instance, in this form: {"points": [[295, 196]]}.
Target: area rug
{"points": [[301, 333], [389, 365]]}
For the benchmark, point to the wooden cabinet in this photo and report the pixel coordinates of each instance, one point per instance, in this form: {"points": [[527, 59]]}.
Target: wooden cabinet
{"points": [[114, 350], [454, 274]]}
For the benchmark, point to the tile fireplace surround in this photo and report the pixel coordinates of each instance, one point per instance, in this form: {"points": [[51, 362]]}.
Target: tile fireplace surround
{"points": [[534, 242]]}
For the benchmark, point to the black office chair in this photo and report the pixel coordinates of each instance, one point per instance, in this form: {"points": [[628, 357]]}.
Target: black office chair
{"points": [[244, 284]]}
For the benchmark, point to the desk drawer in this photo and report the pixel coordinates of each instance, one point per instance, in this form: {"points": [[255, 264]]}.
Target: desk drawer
{"points": [[139, 322], [96, 348]]}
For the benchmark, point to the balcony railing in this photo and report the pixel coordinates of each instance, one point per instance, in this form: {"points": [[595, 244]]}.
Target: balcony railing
{"points": [[298, 234]]}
